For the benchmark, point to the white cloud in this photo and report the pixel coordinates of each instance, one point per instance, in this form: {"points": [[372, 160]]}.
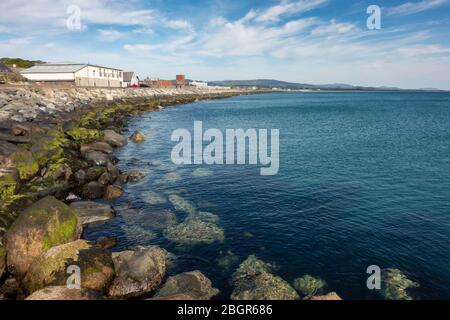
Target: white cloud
{"points": [[416, 7], [110, 35], [333, 28], [180, 24], [419, 50], [274, 13]]}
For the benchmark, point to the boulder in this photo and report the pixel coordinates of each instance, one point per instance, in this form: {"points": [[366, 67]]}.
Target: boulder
{"points": [[112, 170], [309, 286], [96, 146], [60, 293], [97, 157], [2, 260], [80, 176], [175, 297], [193, 284], [89, 212], [10, 290], [253, 281], [138, 271], [105, 179], [107, 242], [93, 190], [395, 285], [51, 268], [94, 173], [114, 139], [332, 296], [45, 224], [137, 136], [113, 192], [9, 182]]}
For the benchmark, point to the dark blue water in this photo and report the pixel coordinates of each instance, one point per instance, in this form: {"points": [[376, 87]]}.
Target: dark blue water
{"points": [[364, 179]]}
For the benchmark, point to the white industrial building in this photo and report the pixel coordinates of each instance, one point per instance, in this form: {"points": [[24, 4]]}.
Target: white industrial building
{"points": [[199, 84], [83, 75]]}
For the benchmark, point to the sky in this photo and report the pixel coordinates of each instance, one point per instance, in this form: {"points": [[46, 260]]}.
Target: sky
{"points": [[306, 41]]}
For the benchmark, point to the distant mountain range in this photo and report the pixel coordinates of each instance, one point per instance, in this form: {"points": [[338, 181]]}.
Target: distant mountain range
{"points": [[270, 83]]}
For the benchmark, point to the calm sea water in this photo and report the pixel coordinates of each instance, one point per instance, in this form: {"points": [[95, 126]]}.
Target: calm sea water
{"points": [[364, 179]]}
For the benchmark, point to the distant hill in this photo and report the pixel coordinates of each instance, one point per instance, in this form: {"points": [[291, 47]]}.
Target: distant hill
{"points": [[270, 83], [20, 63]]}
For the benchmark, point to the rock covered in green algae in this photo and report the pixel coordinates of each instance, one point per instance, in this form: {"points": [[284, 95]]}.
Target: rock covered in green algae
{"points": [[192, 232], [253, 281], [83, 135], [89, 212], [2, 260], [25, 163], [9, 182], [193, 284], [62, 293], [181, 204], [309, 286], [50, 268], [138, 271], [395, 285], [45, 224], [153, 198]]}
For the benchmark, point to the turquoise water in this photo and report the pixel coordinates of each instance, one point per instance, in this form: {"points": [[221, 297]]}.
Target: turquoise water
{"points": [[364, 179]]}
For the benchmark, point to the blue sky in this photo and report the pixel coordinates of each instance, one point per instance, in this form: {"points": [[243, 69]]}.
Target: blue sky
{"points": [[309, 41]]}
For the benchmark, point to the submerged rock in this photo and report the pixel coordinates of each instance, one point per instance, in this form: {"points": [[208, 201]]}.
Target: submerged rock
{"points": [[192, 284], [202, 172], [395, 285], [228, 261], [253, 281], [137, 136], [160, 219], [169, 178], [138, 271], [45, 224], [207, 217], [50, 269], [309, 286], [181, 204], [153, 198], [194, 231], [107, 242], [89, 212], [114, 139], [63, 293], [138, 233]]}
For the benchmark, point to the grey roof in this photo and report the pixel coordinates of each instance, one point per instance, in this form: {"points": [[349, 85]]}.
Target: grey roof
{"points": [[54, 68], [127, 76], [60, 68]]}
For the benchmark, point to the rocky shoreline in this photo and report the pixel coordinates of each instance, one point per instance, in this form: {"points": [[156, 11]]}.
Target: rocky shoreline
{"points": [[56, 160]]}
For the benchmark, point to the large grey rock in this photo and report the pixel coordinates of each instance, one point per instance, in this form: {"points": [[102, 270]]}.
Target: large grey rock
{"points": [[193, 284], [94, 190], [97, 157], [138, 271], [114, 139], [96, 146], [89, 212]]}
